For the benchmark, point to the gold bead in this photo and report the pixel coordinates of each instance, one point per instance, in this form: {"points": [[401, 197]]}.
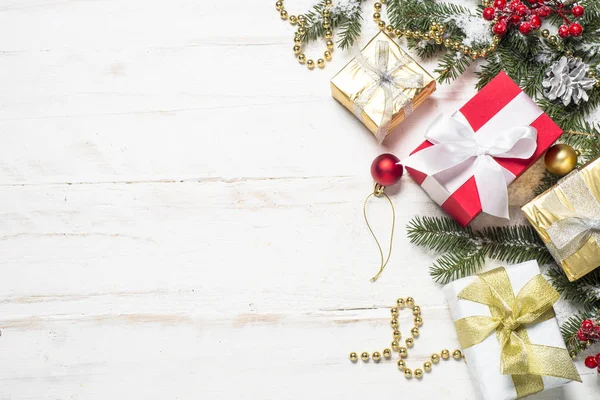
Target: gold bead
{"points": [[326, 24], [302, 31], [321, 63], [353, 357], [310, 64], [394, 311], [475, 55], [448, 42], [364, 356], [408, 33], [328, 34], [376, 356], [389, 29], [377, 6], [483, 53], [327, 55], [416, 310], [492, 47], [328, 2], [435, 358], [387, 353], [279, 5], [297, 49], [330, 45], [403, 351], [395, 345], [560, 159], [398, 32], [545, 33], [401, 365], [410, 301], [553, 39], [326, 13], [407, 373], [283, 14], [376, 16], [457, 354], [438, 40], [445, 354], [427, 366], [293, 19], [394, 323], [400, 303], [381, 24], [297, 39], [591, 74], [418, 321], [441, 27], [397, 334], [467, 50], [418, 373], [410, 342], [415, 331], [301, 58], [301, 19], [434, 26]]}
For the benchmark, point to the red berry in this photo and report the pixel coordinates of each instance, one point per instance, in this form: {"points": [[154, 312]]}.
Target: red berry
{"points": [[489, 13], [544, 11], [532, 1], [522, 10], [535, 22], [597, 358], [525, 28], [500, 3], [580, 335], [563, 31], [587, 325], [514, 19], [577, 11], [514, 4], [500, 28], [590, 362], [575, 29]]}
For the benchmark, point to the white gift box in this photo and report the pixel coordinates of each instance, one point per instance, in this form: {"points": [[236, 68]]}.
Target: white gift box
{"points": [[483, 359]]}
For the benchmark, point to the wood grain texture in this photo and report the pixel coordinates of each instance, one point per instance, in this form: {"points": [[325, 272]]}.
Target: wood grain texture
{"points": [[181, 213]]}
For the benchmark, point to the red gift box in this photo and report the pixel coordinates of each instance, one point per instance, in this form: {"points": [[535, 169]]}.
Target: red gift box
{"points": [[500, 104]]}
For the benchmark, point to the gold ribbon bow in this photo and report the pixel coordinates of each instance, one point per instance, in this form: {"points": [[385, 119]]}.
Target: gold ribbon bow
{"points": [[526, 362]]}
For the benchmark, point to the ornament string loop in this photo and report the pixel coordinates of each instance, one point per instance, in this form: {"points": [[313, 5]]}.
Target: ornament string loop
{"points": [[378, 191]]}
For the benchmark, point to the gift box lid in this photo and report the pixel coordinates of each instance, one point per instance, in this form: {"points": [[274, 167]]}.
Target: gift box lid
{"points": [[491, 102]]}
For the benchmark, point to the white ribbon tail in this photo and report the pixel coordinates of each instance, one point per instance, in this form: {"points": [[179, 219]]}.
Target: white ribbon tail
{"points": [[491, 185]]}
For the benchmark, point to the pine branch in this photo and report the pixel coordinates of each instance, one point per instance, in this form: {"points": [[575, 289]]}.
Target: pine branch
{"points": [[585, 290], [569, 330], [466, 249], [349, 26], [451, 66]]}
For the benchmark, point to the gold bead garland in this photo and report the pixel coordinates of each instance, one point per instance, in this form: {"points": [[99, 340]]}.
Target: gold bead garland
{"points": [[300, 20], [435, 33], [403, 351]]}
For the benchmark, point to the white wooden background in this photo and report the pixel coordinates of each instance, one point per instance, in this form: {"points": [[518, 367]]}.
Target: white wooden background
{"points": [[181, 213]]}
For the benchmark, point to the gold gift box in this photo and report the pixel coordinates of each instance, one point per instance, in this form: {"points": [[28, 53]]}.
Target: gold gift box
{"points": [[587, 258], [348, 84]]}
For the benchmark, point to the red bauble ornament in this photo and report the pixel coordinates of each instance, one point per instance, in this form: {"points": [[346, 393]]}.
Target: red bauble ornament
{"points": [[563, 31], [582, 336], [590, 362], [577, 10], [587, 325], [499, 28], [575, 29], [535, 22], [525, 28], [500, 3], [544, 11], [489, 13], [386, 169]]}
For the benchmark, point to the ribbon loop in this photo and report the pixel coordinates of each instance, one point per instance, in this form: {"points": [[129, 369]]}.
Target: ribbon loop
{"points": [[510, 316], [458, 154], [393, 87]]}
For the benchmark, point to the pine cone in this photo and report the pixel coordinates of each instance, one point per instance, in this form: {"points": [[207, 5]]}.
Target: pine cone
{"points": [[567, 80]]}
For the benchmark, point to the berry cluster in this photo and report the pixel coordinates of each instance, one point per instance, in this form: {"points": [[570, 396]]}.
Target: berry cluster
{"points": [[529, 17], [589, 330]]}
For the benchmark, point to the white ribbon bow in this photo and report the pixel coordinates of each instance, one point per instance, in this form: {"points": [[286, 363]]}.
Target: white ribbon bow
{"points": [[458, 154], [393, 87], [574, 229]]}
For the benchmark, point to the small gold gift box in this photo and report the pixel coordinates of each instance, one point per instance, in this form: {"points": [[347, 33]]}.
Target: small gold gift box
{"points": [[567, 218], [382, 85]]}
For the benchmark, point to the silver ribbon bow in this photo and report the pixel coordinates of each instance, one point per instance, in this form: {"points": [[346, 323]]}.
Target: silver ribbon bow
{"points": [[577, 226], [393, 87]]}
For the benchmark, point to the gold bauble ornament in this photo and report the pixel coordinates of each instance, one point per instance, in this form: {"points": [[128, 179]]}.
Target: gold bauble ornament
{"points": [[560, 159]]}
